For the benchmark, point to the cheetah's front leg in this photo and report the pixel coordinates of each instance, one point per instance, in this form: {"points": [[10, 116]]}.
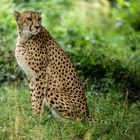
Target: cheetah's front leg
{"points": [[38, 92]]}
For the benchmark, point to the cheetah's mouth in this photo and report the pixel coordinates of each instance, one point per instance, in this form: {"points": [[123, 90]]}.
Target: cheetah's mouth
{"points": [[34, 32]]}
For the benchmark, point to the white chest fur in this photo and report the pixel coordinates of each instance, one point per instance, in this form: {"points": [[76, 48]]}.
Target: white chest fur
{"points": [[23, 61]]}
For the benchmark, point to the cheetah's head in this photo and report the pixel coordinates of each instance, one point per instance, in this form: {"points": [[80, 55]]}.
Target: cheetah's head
{"points": [[29, 22]]}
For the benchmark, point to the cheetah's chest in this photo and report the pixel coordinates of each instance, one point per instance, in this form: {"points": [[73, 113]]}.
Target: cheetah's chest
{"points": [[22, 60]]}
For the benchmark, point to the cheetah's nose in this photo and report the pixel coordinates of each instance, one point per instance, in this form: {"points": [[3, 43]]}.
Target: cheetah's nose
{"points": [[37, 27]]}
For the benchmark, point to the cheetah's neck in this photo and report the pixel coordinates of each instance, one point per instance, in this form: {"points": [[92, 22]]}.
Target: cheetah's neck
{"points": [[23, 38]]}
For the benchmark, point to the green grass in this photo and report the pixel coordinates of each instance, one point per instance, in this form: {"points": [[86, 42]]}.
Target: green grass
{"points": [[118, 120]]}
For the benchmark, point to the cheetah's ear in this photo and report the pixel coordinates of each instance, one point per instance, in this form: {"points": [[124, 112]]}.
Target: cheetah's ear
{"points": [[39, 13], [16, 15]]}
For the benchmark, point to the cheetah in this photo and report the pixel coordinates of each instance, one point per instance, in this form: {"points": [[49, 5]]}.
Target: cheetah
{"points": [[51, 74]]}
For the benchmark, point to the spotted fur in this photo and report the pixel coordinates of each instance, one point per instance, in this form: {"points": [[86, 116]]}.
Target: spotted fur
{"points": [[51, 74]]}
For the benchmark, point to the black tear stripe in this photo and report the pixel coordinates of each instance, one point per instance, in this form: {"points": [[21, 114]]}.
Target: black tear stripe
{"points": [[31, 23]]}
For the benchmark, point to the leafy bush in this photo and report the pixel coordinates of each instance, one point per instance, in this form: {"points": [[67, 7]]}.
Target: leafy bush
{"points": [[104, 44]]}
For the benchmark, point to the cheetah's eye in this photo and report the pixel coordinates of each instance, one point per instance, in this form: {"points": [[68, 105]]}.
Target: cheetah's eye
{"points": [[29, 19], [39, 19]]}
